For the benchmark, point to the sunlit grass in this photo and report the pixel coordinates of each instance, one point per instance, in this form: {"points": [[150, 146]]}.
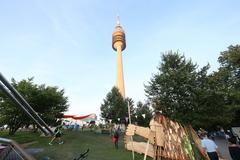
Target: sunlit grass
{"points": [[101, 146]]}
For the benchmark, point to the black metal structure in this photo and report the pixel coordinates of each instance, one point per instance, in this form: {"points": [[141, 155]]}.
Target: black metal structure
{"points": [[82, 155], [12, 93], [11, 150]]}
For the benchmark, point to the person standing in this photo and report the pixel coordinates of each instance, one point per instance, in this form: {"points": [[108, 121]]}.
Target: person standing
{"points": [[210, 146], [57, 135], [116, 136]]}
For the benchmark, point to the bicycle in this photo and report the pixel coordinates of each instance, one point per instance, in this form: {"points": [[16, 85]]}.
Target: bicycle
{"points": [[82, 156]]}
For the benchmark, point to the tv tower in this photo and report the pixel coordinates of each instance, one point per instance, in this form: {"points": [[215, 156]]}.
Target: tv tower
{"points": [[119, 44]]}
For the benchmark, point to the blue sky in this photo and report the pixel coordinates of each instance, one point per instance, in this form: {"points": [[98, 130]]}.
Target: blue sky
{"points": [[68, 43]]}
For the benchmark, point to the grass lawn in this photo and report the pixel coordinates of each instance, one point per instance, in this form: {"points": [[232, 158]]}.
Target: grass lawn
{"points": [[101, 146]]}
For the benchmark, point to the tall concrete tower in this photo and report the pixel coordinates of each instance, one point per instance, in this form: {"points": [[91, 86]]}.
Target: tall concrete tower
{"points": [[119, 44]]}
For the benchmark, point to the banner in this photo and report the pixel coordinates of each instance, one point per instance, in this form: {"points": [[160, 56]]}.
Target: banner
{"points": [[87, 118]]}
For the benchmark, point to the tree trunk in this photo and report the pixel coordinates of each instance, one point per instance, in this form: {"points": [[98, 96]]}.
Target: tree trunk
{"points": [[35, 128], [12, 130]]}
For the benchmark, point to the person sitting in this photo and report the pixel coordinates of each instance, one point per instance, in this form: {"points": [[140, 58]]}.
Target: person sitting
{"points": [[233, 148]]}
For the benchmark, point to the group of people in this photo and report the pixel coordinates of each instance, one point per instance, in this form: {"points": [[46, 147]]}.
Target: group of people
{"points": [[208, 144], [58, 134], [211, 148], [207, 141]]}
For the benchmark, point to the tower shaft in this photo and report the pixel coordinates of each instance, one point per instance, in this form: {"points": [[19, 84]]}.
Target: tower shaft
{"points": [[120, 78]]}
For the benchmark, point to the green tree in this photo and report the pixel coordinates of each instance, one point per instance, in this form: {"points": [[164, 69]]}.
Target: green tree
{"points": [[48, 102], [143, 114], [210, 110], [51, 104], [229, 80], [171, 89], [115, 106], [187, 94]]}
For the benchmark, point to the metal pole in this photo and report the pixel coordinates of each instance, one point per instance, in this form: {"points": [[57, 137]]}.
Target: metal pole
{"points": [[19, 104], [129, 114], [23, 101], [146, 151], [130, 122], [18, 147]]}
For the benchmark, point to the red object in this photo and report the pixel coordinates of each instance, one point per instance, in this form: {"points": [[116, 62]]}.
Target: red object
{"points": [[90, 116], [114, 140], [81, 117], [68, 116]]}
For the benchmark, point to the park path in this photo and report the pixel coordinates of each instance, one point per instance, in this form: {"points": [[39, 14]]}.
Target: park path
{"points": [[223, 148]]}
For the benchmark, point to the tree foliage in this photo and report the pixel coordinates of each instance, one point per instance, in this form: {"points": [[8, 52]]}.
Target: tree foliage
{"points": [[48, 102], [143, 114], [171, 89], [187, 94], [229, 79], [192, 95], [114, 106]]}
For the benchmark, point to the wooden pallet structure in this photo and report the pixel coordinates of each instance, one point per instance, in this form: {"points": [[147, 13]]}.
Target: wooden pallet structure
{"points": [[166, 140]]}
